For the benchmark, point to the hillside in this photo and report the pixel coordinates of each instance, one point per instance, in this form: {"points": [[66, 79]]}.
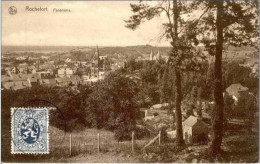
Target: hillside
{"points": [[127, 52]]}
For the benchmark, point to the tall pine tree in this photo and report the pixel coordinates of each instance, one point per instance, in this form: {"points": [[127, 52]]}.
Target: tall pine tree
{"points": [[223, 23]]}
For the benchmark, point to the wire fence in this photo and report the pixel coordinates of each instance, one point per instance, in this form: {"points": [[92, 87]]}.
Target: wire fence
{"points": [[73, 144]]}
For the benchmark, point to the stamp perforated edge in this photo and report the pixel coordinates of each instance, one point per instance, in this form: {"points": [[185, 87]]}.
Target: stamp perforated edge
{"points": [[47, 129]]}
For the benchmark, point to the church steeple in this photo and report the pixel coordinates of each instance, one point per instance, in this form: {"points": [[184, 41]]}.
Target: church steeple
{"points": [[151, 55], [97, 54], [158, 56], [95, 64]]}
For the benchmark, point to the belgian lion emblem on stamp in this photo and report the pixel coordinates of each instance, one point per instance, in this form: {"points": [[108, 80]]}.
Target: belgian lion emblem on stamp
{"points": [[30, 131]]}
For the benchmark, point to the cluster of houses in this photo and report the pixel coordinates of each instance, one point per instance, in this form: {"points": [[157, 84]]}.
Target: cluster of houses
{"points": [[50, 75], [195, 127], [22, 81]]}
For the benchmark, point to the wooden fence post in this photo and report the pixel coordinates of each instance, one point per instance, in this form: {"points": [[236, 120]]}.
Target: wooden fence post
{"points": [[152, 141], [159, 137], [133, 135], [98, 143], [70, 144]]}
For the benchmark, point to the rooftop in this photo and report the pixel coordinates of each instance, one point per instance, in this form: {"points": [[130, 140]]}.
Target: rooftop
{"points": [[234, 89], [191, 121]]}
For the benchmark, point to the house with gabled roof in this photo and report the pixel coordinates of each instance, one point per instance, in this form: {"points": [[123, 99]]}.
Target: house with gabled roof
{"points": [[236, 90], [7, 78], [15, 81], [34, 78], [194, 130], [16, 85], [21, 85]]}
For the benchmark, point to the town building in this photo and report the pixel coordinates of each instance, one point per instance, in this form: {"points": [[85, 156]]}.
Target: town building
{"points": [[85, 78], [15, 81], [64, 72], [44, 73], [34, 79], [99, 66], [156, 57], [47, 82], [45, 57], [118, 65], [21, 58], [62, 81], [68, 60]]}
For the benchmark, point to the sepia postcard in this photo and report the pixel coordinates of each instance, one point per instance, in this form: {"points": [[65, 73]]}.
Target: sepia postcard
{"points": [[166, 81]]}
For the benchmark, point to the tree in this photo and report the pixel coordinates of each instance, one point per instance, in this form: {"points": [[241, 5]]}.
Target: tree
{"points": [[133, 65], [199, 108], [166, 86], [78, 55], [223, 22], [148, 74], [181, 56], [72, 105], [218, 90], [246, 107], [229, 106], [111, 105], [234, 73]]}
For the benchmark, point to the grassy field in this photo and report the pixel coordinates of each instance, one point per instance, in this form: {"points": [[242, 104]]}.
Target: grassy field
{"points": [[85, 141], [237, 147], [84, 148]]}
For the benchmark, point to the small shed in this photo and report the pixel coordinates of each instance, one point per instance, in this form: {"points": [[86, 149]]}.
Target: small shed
{"points": [[148, 115], [195, 130]]}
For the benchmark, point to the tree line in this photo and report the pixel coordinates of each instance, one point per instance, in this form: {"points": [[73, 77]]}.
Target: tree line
{"points": [[109, 104], [221, 22]]}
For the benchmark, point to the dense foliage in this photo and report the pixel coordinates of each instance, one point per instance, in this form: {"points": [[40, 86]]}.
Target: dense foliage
{"points": [[111, 105], [108, 104]]}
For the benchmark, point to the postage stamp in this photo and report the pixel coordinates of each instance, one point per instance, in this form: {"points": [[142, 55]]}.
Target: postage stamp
{"points": [[29, 128]]}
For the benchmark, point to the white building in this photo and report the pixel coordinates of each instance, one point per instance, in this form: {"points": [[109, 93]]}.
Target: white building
{"points": [[45, 57], [68, 60], [65, 72], [21, 58], [102, 57]]}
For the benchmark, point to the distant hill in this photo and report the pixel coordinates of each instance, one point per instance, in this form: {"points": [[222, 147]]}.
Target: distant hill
{"points": [[6, 49], [133, 51], [127, 52]]}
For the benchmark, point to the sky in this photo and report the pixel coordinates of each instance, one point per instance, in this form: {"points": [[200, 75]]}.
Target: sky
{"points": [[89, 23]]}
